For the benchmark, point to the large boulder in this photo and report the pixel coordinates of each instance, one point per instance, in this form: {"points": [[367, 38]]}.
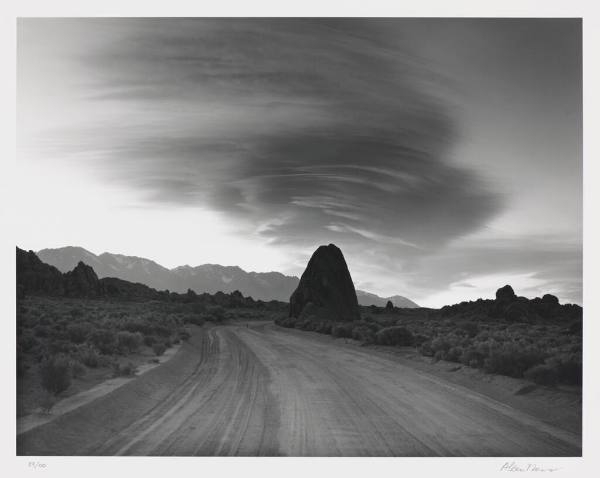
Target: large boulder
{"points": [[550, 299], [506, 294], [327, 286]]}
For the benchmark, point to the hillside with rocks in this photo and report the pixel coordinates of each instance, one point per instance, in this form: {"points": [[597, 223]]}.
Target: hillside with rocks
{"points": [[36, 278]]}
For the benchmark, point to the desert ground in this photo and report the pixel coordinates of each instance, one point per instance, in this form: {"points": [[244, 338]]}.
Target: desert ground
{"points": [[259, 389]]}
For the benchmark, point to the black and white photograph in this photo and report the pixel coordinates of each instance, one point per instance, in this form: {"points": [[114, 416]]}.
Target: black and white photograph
{"points": [[293, 236]]}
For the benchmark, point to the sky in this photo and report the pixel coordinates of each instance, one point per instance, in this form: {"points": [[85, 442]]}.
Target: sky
{"points": [[443, 156]]}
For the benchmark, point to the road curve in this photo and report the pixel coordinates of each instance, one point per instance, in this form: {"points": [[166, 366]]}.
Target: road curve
{"points": [[264, 390]]}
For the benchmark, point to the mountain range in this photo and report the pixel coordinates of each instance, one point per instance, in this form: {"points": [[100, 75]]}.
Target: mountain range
{"points": [[209, 278]]}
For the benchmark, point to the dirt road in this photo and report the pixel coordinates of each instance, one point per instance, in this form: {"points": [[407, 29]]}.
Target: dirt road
{"points": [[264, 390]]}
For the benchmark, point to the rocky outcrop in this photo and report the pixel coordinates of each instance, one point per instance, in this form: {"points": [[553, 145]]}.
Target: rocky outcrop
{"points": [[35, 277], [512, 308], [82, 282], [505, 294], [550, 299], [326, 289]]}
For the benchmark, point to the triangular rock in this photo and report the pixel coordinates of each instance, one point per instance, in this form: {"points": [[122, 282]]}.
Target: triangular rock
{"points": [[326, 288]]}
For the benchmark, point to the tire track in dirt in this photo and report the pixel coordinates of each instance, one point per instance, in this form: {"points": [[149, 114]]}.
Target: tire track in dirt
{"points": [[166, 414], [219, 410], [263, 390], [374, 406]]}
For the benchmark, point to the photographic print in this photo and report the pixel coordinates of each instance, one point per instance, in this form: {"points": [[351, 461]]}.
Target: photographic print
{"points": [[302, 237]]}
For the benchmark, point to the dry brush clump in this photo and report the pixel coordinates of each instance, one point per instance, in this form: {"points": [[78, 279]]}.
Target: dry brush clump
{"points": [[55, 374], [63, 338]]}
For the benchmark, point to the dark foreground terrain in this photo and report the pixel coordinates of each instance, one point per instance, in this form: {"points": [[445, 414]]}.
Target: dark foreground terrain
{"points": [[259, 389]]}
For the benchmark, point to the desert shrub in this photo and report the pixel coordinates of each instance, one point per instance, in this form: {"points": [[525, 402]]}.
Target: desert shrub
{"points": [[149, 340], [343, 330], [89, 357], [288, 322], [420, 339], [575, 328], [363, 334], [310, 324], [483, 335], [55, 374], [27, 341], [104, 360], [78, 333], [426, 349], [137, 325], [198, 308], [512, 360], [465, 342], [441, 344], [60, 346], [42, 331], [40, 353], [76, 312], [58, 331], [77, 369], [47, 401], [517, 312], [471, 357], [104, 340], [323, 328], [216, 313], [386, 321], [542, 374], [395, 336], [568, 368], [195, 320], [124, 370], [470, 328], [161, 330], [453, 354], [129, 342], [159, 348]]}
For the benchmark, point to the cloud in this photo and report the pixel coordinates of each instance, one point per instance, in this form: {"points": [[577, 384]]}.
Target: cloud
{"points": [[308, 130]]}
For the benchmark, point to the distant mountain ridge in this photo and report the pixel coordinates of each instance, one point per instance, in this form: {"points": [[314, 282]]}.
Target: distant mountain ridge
{"points": [[210, 278], [366, 298], [36, 277]]}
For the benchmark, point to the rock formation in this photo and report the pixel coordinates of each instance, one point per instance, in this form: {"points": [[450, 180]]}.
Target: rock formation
{"points": [[326, 289], [505, 294], [82, 282], [33, 276]]}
